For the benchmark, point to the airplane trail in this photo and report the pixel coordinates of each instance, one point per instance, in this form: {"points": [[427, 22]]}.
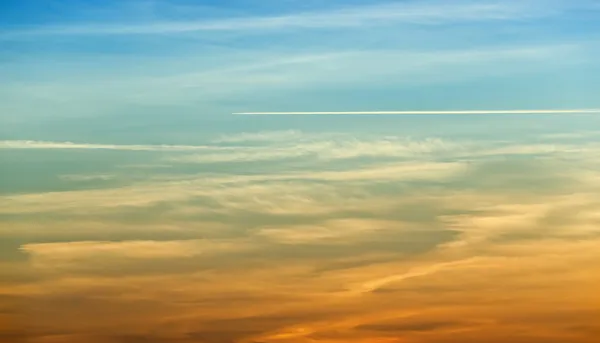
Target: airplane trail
{"points": [[429, 112]]}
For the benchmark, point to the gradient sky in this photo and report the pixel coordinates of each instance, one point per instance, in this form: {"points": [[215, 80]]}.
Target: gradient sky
{"points": [[136, 208]]}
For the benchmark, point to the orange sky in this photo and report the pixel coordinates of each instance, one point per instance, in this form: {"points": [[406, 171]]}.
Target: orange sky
{"points": [[500, 250]]}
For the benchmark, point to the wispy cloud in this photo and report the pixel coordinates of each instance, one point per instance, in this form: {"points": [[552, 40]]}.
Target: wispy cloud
{"points": [[376, 66], [283, 188], [264, 136], [92, 177], [23, 144], [423, 271], [427, 13], [282, 244], [269, 193], [255, 78], [276, 145], [325, 148], [76, 251], [329, 233]]}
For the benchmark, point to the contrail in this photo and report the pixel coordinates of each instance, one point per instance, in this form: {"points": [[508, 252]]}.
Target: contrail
{"points": [[433, 112]]}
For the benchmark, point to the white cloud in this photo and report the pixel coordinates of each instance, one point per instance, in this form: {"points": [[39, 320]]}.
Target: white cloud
{"points": [[287, 190], [256, 154], [323, 147], [263, 136], [425, 13], [280, 145], [24, 144], [572, 150]]}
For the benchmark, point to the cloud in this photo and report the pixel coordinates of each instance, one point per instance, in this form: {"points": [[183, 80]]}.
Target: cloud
{"points": [[300, 192], [255, 76], [374, 285], [403, 327], [375, 66], [428, 13], [23, 144], [305, 175], [315, 188], [332, 232], [323, 148], [84, 178], [282, 145], [357, 241], [264, 136], [129, 257], [127, 249], [273, 295]]}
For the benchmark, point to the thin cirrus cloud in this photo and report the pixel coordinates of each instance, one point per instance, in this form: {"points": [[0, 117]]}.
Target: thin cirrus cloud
{"points": [[429, 13], [283, 194], [376, 66], [26, 144], [285, 72], [129, 249], [305, 145]]}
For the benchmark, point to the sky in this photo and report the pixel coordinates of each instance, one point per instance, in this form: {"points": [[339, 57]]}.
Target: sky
{"points": [[136, 205]]}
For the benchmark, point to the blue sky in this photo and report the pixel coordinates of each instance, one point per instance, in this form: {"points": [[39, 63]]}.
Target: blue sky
{"points": [[80, 66]]}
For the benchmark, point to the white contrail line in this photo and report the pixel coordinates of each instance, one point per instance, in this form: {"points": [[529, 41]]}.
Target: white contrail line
{"points": [[433, 112]]}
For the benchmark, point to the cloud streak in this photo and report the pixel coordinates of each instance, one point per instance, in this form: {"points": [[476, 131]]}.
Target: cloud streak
{"points": [[423, 271], [431, 13], [78, 251], [26, 144], [556, 111]]}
